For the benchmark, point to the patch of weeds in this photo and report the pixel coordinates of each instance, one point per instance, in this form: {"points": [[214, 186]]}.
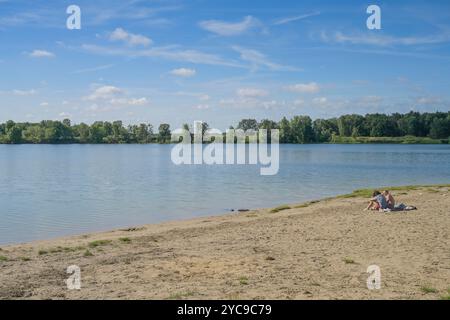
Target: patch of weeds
{"points": [[349, 261], [87, 253], [427, 289], [25, 258], [181, 295], [55, 250], [303, 205], [42, 252], [3, 258], [98, 243], [280, 208], [125, 240], [243, 281]]}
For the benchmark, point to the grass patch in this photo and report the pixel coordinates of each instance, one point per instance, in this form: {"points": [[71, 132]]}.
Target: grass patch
{"points": [[181, 295], [367, 193], [426, 289], [25, 259], [280, 208], [98, 243], [125, 240], [306, 204], [349, 261], [243, 281], [3, 258], [42, 252], [87, 253]]}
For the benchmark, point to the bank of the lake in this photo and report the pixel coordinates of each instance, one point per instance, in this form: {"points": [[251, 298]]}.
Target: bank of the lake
{"points": [[313, 250]]}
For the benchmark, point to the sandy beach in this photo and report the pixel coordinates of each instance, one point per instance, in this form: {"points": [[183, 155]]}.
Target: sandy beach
{"points": [[316, 250]]}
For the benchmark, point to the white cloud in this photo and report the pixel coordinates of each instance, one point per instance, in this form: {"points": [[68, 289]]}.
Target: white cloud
{"points": [[183, 72], [321, 101], [129, 38], [428, 101], [251, 93], [130, 102], [41, 54], [257, 60], [202, 107], [223, 28], [104, 92], [43, 104], [24, 92], [311, 87], [385, 40], [169, 53], [98, 68], [296, 18]]}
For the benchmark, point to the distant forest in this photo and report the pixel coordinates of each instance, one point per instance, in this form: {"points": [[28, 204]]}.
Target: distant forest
{"points": [[412, 127]]}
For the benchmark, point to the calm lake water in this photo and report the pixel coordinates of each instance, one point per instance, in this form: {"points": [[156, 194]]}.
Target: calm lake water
{"points": [[48, 191]]}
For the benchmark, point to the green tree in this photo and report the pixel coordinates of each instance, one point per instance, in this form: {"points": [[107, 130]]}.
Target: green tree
{"points": [[164, 133], [285, 131], [301, 129], [14, 135], [248, 124]]}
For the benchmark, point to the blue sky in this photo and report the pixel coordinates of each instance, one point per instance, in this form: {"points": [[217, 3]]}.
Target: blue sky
{"points": [[220, 61]]}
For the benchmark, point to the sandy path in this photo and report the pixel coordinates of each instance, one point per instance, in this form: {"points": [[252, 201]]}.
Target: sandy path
{"points": [[320, 251]]}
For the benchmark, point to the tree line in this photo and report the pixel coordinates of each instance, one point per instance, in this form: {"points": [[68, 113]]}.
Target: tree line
{"points": [[299, 129]]}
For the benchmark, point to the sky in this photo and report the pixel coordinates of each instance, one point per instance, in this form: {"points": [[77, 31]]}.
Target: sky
{"points": [[219, 61]]}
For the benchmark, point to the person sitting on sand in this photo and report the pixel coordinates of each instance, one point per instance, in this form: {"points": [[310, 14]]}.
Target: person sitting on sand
{"points": [[378, 202], [389, 199]]}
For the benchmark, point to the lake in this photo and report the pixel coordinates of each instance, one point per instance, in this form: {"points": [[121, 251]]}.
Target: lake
{"points": [[48, 191]]}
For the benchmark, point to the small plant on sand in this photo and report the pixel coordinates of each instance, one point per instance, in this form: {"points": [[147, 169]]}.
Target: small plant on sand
{"points": [[349, 261], [427, 289], [25, 258], [125, 240], [243, 281], [280, 208], [42, 252], [98, 243], [87, 253], [181, 295], [3, 258]]}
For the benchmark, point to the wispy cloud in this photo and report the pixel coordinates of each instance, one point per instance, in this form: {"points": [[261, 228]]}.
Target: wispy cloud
{"points": [[174, 53], [224, 28], [183, 72], [251, 93], [94, 69], [24, 92], [385, 40], [130, 39], [258, 60], [311, 87], [41, 54], [295, 18]]}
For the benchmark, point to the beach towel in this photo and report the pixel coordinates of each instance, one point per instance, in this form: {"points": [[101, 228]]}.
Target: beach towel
{"points": [[401, 207]]}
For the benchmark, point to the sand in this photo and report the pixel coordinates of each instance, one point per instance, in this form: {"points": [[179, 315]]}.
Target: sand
{"points": [[317, 250]]}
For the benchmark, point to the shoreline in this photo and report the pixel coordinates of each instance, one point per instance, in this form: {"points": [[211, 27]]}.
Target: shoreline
{"points": [[239, 254], [356, 193]]}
